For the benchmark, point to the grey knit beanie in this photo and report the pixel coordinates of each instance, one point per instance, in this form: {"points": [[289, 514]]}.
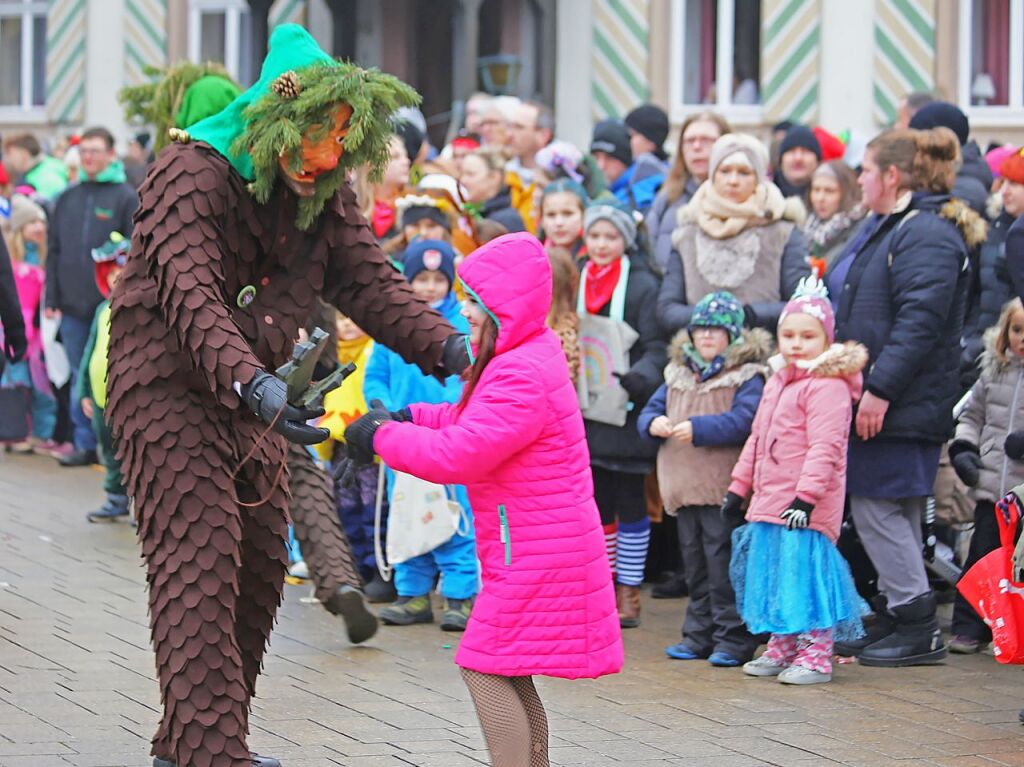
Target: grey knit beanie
{"points": [[617, 216]]}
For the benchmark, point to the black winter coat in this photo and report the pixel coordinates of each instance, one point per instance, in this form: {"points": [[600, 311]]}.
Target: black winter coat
{"points": [[904, 298], [1015, 256], [620, 448], [83, 218], [499, 208], [974, 179], [12, 321], [990, 291]]}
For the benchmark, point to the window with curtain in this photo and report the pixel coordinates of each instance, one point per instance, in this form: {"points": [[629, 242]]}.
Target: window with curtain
{"points": [[717, 40], [991, 59], [22, 54]]}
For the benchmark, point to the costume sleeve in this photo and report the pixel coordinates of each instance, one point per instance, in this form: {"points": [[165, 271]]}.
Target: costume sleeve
{"points": [[504, 415], [733, 426], [829, 411], [362, 283], [180, 232]]}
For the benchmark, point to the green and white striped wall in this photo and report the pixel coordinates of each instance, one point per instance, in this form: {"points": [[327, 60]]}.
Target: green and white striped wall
{"points": [[904, 52], [620, 57], [145, 38], [287, 12], [65, 61], [790, 59]]}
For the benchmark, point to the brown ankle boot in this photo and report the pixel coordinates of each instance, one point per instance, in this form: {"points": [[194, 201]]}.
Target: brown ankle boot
{"points": [[628, 599]]}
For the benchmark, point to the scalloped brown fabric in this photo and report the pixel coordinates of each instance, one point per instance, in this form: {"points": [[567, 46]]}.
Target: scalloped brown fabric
{"points": [[212, 525]]}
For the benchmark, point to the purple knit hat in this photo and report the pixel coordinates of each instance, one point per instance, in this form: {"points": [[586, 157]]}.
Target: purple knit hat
{"points": [[811, 298]]}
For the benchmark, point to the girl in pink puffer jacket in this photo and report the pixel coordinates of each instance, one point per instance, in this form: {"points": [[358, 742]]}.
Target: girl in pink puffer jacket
{"points": [[789, 577], [516, 441]]}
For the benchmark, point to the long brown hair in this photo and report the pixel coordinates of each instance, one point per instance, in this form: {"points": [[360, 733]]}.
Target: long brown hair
{"points": [[678, 175], [926, 159], [565, 279], [484, 355]]}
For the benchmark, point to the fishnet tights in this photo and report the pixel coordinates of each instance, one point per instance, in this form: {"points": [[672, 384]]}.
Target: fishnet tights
{"points": [[513, 719]]}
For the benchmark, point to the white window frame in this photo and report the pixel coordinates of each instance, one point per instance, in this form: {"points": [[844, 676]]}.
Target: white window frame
{"points": [[737, 114], [233, 11], [1009, 115], [28, 10]]}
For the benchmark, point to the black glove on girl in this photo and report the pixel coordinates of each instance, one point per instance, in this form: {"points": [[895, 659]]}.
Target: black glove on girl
{"points": [[798, 515], [1014, 445], [732, 509], [966, 461]]}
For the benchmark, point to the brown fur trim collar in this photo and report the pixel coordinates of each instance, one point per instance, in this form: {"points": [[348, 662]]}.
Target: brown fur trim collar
{"points": [[973, 228]]}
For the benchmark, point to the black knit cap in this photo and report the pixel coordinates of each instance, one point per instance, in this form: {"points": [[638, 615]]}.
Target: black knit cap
{"points": [[942, 114], [612, 138], [649, 121], [800, 136]]}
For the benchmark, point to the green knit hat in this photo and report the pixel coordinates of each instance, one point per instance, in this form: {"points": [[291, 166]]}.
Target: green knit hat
{"points": [[299, 91], [719, 310]]}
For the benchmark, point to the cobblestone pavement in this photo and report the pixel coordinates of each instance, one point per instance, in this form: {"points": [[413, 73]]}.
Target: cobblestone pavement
{"points": [[76, 678]]}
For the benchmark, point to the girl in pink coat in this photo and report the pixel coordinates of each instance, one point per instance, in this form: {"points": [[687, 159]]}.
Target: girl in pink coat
{"points": [[516, 441], [789, 577]]}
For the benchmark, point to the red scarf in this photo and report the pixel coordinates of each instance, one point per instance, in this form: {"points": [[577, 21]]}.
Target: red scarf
{"points": [[599, 284], [383, 218]]}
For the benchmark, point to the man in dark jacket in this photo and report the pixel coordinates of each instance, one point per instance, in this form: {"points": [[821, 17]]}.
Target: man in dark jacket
{"points": [[83, 219], [974, 179], [12, 323]]}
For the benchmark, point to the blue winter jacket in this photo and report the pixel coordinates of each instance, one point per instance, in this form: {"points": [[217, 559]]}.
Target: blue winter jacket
{"points": [[904, 298], [398, 383], [728, 429], [639, 185]]}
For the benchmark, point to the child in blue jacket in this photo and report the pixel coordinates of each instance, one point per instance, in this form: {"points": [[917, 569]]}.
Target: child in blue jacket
{"points": [[429, 265], [702, 415]]}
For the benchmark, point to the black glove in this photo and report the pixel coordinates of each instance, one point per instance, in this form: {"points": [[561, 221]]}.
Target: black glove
{"points": [[798, 515], [966, 461], [455, 357], [267, 397], [359, 434], [732, 509], [633, 383], [1014, 445], [15, 344]]}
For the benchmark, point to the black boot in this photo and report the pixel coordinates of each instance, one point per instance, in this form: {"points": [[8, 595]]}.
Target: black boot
{"points": [[348, 602], [377, 590], [673, 587], [879, 626], [916, 640]]}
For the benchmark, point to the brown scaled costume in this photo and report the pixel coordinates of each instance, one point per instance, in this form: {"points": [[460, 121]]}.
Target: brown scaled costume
{"points": [[207, 476]]}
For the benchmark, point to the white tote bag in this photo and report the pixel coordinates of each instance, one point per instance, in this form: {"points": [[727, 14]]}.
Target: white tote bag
{"points": [[422, 516]]}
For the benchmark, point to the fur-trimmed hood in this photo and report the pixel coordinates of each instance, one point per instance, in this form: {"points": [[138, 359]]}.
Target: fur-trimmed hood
{"points": [[845, 360], [972, 227], [990, 363], [756, 348]]}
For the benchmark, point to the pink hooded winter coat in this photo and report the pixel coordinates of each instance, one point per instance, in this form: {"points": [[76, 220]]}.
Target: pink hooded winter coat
{"points": [[547, 605], [798, 443]]}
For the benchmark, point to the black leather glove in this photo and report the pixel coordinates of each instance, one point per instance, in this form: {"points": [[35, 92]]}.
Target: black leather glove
{"points": [[798, 515], [15, 344], [633, 383], [267, 397], [1014, 445], [455, 357], [732, 509], [966, 461]]}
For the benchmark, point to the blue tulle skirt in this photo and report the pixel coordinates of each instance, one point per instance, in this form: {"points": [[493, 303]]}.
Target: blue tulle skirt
{"points": [[791, 581]]}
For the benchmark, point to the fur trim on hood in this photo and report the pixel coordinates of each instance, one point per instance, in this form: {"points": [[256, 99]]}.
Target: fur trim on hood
{"points": [[756, 348], [845, 361], [990, 362], [973, 228]]}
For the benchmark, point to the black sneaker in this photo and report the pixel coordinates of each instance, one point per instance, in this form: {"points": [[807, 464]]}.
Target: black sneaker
{"points": [[378, 590], [348, 602], [673, 587], [78, 458]]}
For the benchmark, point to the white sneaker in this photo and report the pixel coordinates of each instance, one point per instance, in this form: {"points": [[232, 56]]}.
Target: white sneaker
{"points": [[299, 570], [801, 675], [763, 666]]}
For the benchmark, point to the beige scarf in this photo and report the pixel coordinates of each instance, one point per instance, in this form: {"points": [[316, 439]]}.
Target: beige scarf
{"points": [[721, 218]]}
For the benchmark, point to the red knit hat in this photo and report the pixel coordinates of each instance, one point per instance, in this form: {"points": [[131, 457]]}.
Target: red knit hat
{"points": [[832, 148], [1012, 168]]}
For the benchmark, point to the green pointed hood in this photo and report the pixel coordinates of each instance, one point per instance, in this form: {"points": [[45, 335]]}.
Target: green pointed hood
{"points": [[291, 47]]}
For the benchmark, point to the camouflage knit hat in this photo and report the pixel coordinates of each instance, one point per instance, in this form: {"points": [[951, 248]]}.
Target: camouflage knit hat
{"points": [[718, 310]]}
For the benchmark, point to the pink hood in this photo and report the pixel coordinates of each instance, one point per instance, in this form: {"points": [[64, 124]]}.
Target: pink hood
{"points": [[798, 443], [547, 605], [511, 278]]}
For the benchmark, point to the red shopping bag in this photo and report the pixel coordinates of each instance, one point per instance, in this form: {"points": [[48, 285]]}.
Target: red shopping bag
{"points": [[989, 587]]}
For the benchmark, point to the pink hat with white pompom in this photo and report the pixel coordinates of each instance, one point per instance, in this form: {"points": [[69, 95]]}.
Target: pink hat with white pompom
{"points": [[811, 298]]}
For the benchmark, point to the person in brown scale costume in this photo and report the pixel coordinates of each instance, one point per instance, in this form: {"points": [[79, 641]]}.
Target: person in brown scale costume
{"points": [[226, 265]]}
